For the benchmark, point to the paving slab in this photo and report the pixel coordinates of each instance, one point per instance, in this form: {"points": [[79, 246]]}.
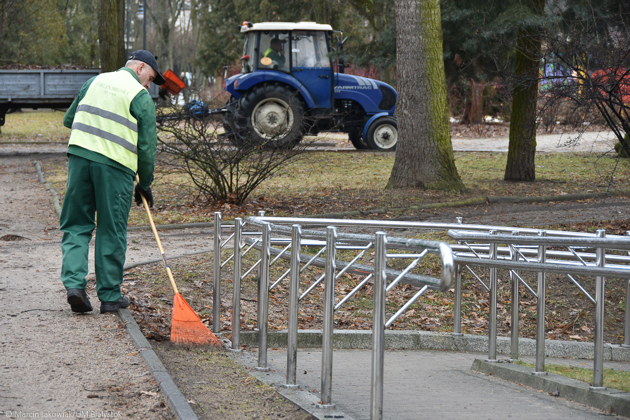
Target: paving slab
{"points": [[428, 385]]}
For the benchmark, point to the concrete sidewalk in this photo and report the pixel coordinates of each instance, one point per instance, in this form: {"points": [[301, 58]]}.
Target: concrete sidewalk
{"points": [[589, 142], [429, 385]]}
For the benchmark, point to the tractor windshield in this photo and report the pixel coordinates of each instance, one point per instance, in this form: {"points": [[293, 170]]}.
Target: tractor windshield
{"points": [[273, 45], [310, 49]]}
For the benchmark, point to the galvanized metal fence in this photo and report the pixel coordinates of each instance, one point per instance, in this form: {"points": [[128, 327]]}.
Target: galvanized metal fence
{"points": [[495, 247]]}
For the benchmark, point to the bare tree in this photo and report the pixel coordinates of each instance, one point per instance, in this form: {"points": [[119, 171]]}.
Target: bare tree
{"points": [[591, 71], [424, 154], [165, 15]]}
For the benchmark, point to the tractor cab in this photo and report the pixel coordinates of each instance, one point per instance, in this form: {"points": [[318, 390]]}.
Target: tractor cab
{"points": [[301, 50]]}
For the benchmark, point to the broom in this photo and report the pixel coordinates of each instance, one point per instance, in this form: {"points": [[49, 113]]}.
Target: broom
{"points": [[186, 326]]}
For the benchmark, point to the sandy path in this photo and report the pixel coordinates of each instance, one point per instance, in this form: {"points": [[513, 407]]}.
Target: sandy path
{"points": [[53, 361]]}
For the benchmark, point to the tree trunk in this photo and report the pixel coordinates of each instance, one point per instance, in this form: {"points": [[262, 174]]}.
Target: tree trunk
{"points": [[476, 111], [424, 154], [165, 15], [111, 34], [522, 146], [122, 48]]}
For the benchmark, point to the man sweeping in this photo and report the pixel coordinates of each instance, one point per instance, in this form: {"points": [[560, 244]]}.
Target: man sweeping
{"points": [[113, 137]]}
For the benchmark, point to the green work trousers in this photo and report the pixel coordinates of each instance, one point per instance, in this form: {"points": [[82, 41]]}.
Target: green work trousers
{"points": [[102, 190]]}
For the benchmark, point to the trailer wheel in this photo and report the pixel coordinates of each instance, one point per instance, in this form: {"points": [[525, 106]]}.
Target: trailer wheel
{"points": [[270, 115], [356, 139], [383, 134]]}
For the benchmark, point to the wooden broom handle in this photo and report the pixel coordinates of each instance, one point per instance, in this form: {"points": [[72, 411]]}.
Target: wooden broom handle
{"points": [[157, 239]]}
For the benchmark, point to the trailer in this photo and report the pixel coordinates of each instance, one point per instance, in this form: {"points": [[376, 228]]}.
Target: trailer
{"points": [[44, 88]]}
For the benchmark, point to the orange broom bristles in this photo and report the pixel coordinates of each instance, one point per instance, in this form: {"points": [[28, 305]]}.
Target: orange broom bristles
{"points": [[186, 326]]}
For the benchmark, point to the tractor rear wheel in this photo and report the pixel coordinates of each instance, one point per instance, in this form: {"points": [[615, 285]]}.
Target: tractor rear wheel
{"points": [[383, 134], [269, 115]]}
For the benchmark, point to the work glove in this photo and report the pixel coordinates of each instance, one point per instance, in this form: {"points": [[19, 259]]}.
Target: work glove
{"points": [[146, 193]]}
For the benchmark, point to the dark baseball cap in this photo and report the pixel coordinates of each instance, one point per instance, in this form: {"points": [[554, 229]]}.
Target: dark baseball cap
{"points": [[146, 57]]}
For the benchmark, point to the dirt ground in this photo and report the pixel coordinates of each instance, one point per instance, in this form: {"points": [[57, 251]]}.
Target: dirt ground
{"points": [[54, 362], [217, 387]]}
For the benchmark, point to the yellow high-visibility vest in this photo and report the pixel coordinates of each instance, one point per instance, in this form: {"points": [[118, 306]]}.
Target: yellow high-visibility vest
{"points": [[103, 123]]}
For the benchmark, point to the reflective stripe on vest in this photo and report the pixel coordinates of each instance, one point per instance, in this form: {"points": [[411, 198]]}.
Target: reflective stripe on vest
{"points": [[103, 122]]}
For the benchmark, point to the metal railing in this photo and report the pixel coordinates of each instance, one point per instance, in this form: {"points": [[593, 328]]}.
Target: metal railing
{"points": [[522, 250], [569, 263]]}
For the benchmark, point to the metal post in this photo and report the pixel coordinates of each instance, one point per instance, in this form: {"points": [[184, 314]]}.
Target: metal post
{"points": [[541, 310], [492, 321], [216, 291], [378, 326], [515, 303], [263, 298], [144, 23], [236, 295], [626, 330], [294, 292], [598, 362], [457, 316], [261, 213], [329, 305]]}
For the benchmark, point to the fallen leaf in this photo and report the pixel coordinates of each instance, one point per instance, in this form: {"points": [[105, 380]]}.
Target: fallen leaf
{"points": [[148, 393]]}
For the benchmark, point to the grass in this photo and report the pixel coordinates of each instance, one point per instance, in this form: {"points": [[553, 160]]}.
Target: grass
{"points": [[482, 172], [616, 379], [34, 126], [324, 182]]}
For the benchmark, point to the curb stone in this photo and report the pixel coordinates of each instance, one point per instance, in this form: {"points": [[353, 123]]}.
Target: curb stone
{"points": [[174, 396], [610, 401], [129, 266], [47, 187]]}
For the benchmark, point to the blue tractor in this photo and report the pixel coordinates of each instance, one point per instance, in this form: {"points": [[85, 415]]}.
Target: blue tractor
{"points": [[288, 88]]}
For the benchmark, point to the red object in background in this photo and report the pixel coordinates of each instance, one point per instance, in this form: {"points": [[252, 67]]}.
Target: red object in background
{"points": [[614, 76], [173, 84]]}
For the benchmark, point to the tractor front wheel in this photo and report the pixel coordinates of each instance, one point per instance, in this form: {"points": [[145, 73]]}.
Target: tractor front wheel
{"points": [[270, 115], [383, 134]]}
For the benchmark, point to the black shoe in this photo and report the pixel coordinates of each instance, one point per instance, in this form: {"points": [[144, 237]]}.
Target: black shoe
{"points": [[78, 300], [107, 307]]}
